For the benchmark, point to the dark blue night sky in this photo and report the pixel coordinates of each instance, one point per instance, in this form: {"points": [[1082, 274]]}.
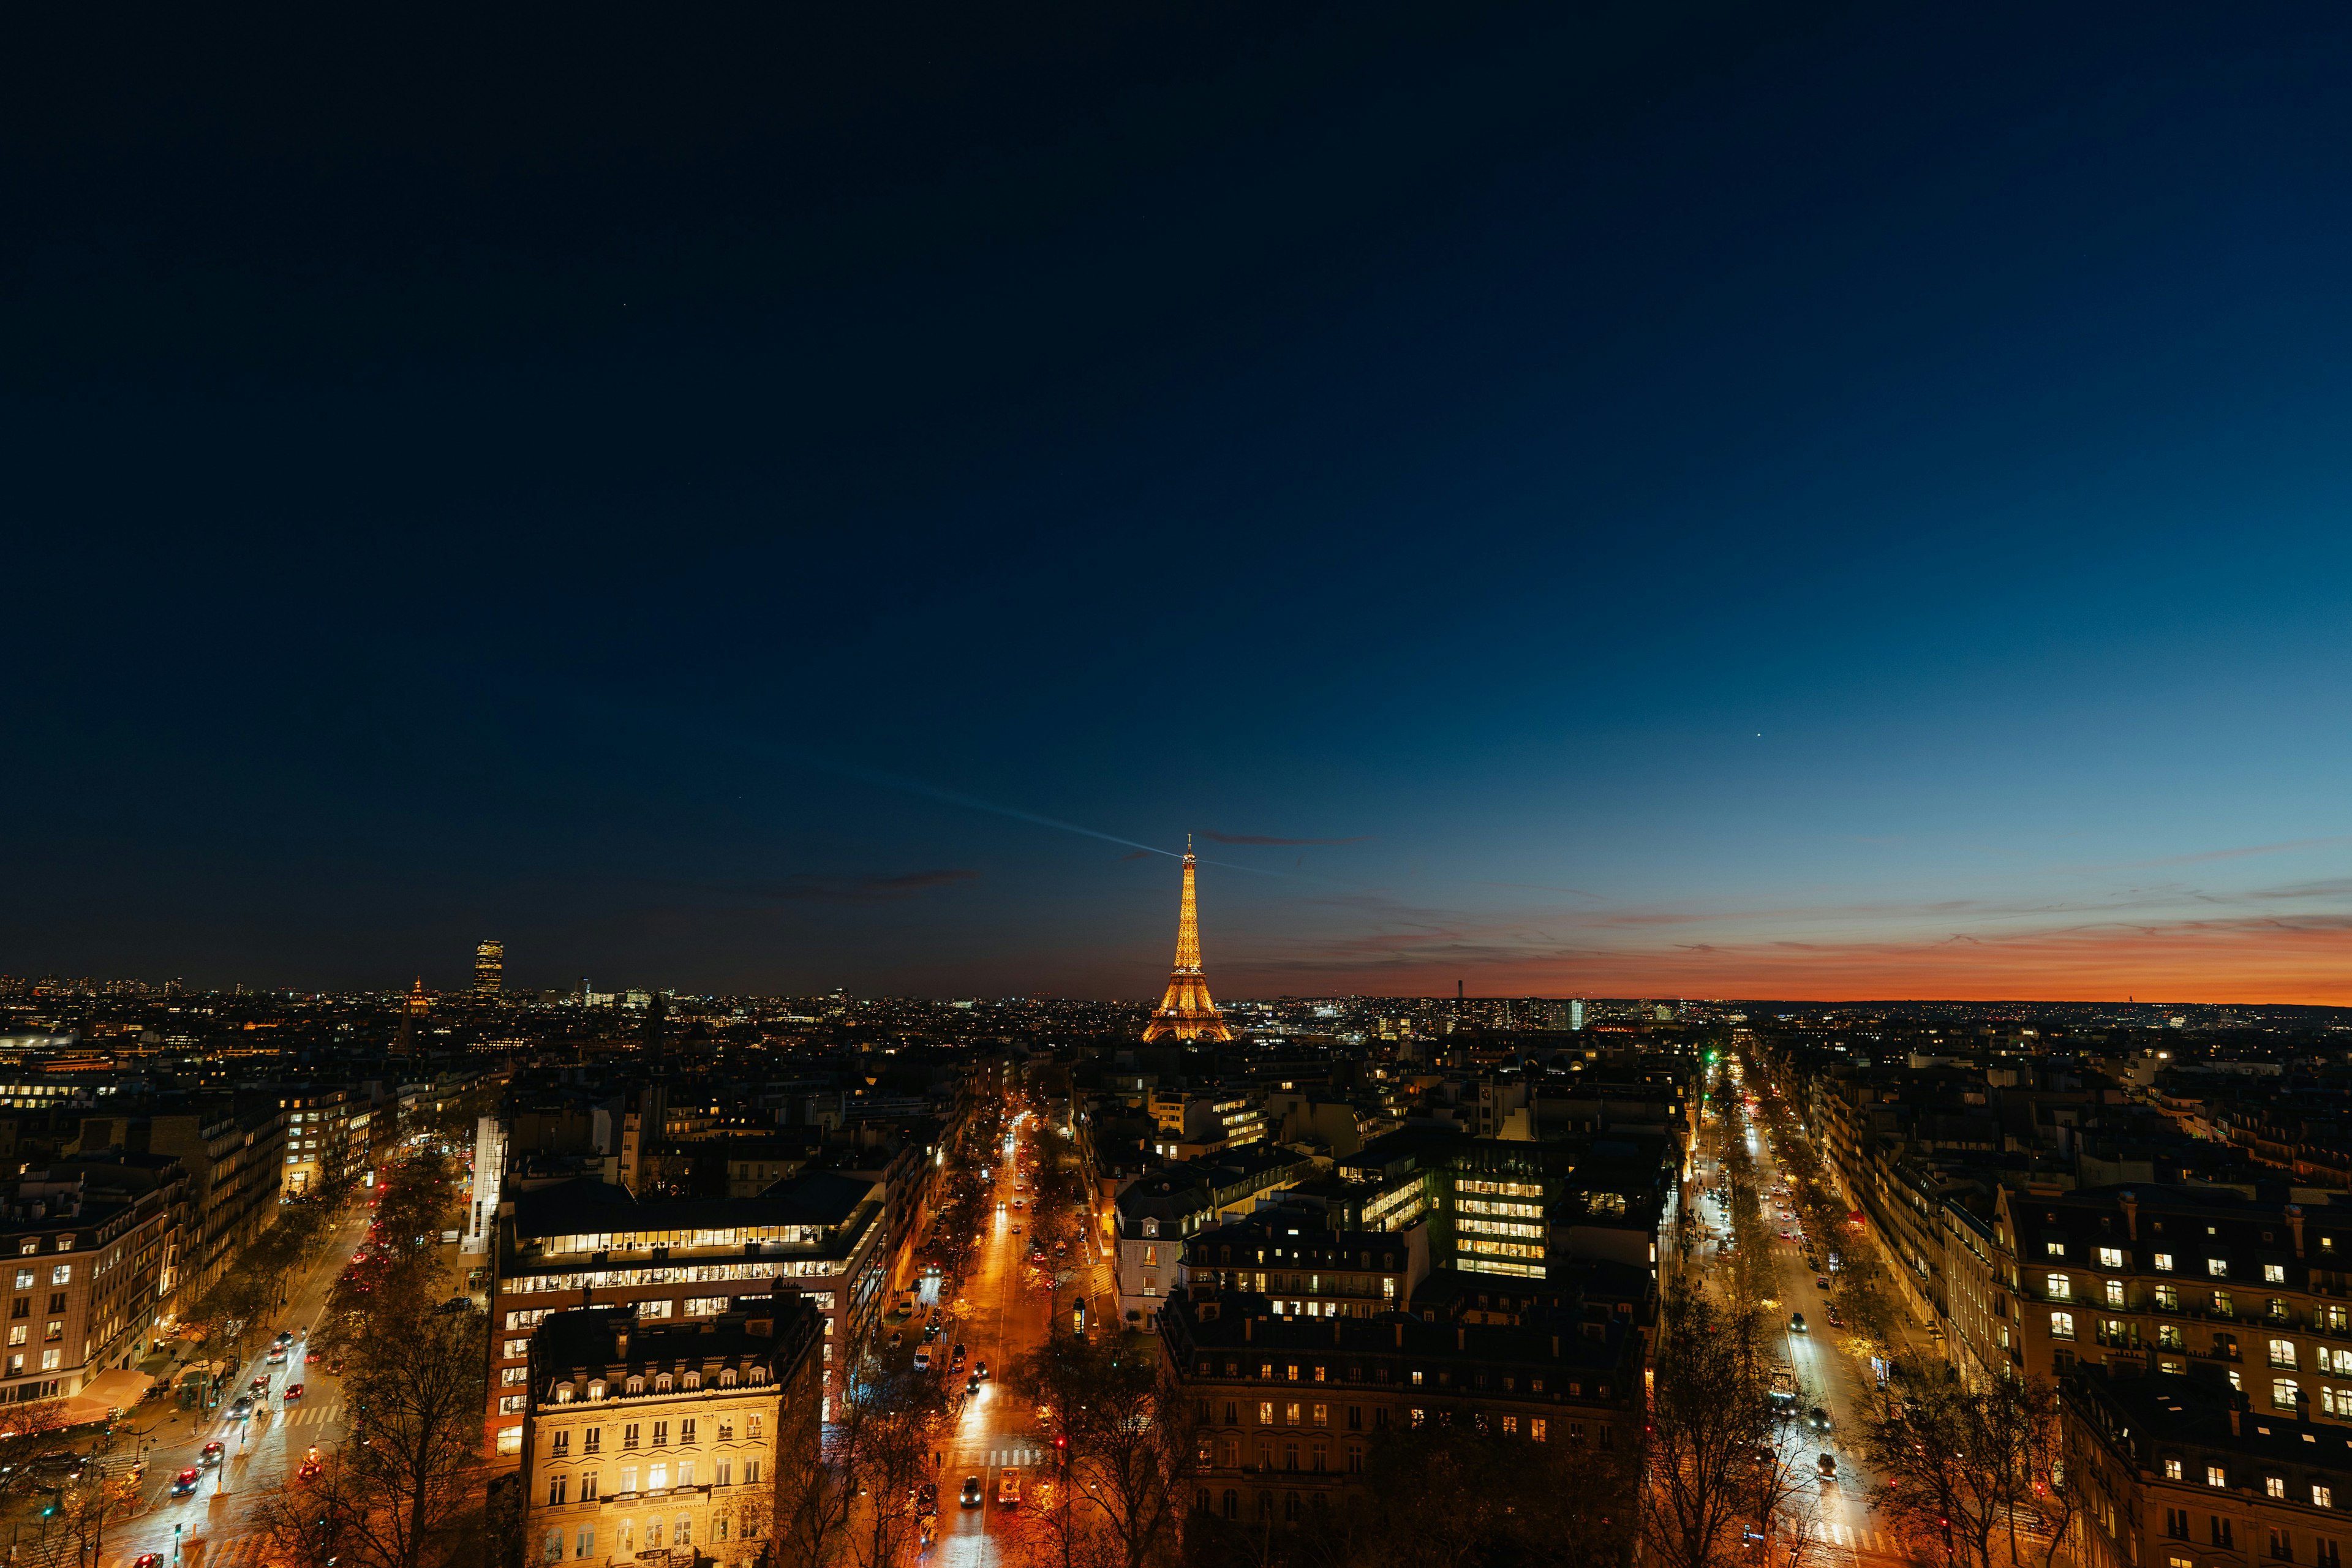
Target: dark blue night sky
{"points": [[1801, 501]]}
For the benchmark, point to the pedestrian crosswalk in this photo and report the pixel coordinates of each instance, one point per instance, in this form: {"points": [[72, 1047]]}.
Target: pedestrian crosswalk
{"points": [[1880, 1542], [304, 1412], [1020, 1459], [233, 1551]]}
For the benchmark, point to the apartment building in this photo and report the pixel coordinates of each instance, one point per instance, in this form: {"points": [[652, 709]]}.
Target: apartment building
{"points": [[232, 1159], [89, 1259], [589, 1243], [1302, 1269], [1155, 1213], [668, 1441], [2184, 1471], [2171, 1279], [1285, 1406], [327, 1137]]}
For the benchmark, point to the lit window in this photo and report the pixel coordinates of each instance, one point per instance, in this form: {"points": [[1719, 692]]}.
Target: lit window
{"points": [[2164, 1263]]}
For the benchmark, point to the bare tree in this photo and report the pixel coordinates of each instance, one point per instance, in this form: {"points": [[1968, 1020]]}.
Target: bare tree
{"points": [[309, 1523], [1717, 1462], [417, 1390], [1959, 1462], [1124, 1441]]}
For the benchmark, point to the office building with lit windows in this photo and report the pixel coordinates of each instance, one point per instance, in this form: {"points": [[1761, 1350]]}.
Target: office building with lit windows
{"points": [[489, 967]]}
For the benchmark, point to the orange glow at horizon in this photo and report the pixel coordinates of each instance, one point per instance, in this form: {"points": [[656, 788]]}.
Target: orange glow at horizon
{"points": [[2306, 961]]}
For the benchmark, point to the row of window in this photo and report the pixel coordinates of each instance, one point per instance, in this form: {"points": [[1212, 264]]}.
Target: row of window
{"points": [[662, 1382], [2165, 1262], [2274, 1485], [2167, 1298], [657, 1479], [681, 1532], [592, 1439], [1318, 1372]]}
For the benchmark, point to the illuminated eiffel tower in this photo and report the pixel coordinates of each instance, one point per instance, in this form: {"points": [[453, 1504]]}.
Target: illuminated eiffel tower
{"points": [[1186, 1011]]}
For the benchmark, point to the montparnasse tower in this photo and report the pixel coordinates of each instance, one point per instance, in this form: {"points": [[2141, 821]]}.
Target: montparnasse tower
{"points": [[1186, 1013]]}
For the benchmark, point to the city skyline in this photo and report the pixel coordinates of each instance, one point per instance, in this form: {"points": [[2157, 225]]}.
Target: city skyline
{"points": [[1696, 502]]}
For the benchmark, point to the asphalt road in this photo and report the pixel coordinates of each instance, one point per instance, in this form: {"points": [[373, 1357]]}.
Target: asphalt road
{"points": [[1831, 1378], [1007, 1303], [209, 1530]]}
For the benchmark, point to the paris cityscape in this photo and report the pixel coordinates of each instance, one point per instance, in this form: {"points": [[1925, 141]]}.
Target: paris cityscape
{"points": [[1502, 784]]}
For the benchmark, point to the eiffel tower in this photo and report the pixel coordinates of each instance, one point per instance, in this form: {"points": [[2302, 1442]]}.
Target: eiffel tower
{"points": [[1186, 1011]]}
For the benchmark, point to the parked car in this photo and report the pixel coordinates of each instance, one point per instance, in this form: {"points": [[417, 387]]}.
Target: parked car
{"points": [[923, 1359], [1823, 1282]]}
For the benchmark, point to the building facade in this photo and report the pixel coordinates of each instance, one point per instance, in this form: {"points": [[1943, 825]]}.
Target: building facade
{"points": [[2184, 1471], [587, 1243], [672, 1442], [2169, 1280], [1283, 1407]]}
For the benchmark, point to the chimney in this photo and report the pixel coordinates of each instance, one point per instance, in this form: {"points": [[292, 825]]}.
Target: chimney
{"points": [[1555, 1347], [1460, 1337], [1246, 1335], [2294, 1223], [2131, 1214], [1335, 1331], [621, 1344], [1399, 1329]]}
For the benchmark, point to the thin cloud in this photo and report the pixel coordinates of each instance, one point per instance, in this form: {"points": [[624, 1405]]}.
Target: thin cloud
{"points": [[1262, 838], [2203, 856]]}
